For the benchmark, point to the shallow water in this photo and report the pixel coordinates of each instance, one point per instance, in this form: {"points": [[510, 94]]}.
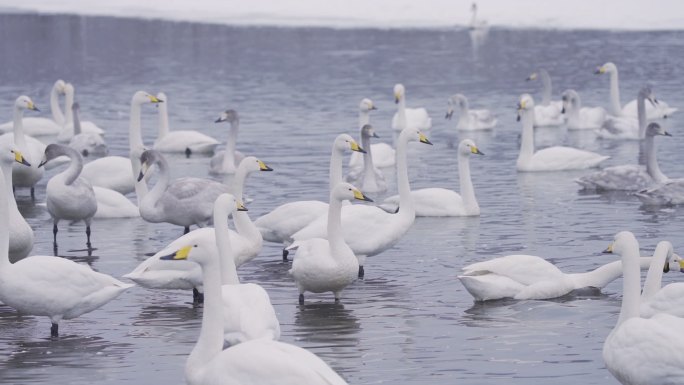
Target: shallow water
{"points": [[409, 320]]}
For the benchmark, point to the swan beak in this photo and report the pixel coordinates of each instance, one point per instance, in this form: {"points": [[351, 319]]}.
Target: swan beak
{"points": [[20, 159], [241, 207], [42, 162], [599, 70], [563, 110], [373, 108], [154, 99], [32, 107], [355, 147], [375, 135], [532, 77], [141, 175], [450, 112], [264, 167], [396, 98], [221, 118], [359, 195], [178, 255], [476, 150], [424, 139], [666, 268], [681, 265], [609, 249], [665, 133]]}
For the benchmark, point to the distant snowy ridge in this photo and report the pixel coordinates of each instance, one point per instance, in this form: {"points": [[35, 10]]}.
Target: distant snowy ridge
{"points": [[543, 14]]}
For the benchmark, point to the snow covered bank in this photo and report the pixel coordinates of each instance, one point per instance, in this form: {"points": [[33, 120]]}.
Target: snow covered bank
{"points": [[556, 14]]}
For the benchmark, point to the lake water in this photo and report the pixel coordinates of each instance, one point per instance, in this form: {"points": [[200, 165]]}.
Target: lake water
{"points": [[409, 321]]}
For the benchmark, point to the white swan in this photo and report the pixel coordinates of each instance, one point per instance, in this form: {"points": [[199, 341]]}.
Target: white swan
{"points": [[630, 177], [369, 230], [69, 196], [547, 113], [549, 159], [475, 23], [441, 202], [44, 126], [21, 234], [627, 127], [31, 148], [369, 178], [383, 153], [114, 172], [469, 120], [654, 298], [641, 351], [184, 202], [581, 118], [50, 286], [113, 204], [86, 144], [254, 362], [653, 111], [416, 118], [180, 141], [322, 265], [68, 131], [286, 219], [220, 164]]}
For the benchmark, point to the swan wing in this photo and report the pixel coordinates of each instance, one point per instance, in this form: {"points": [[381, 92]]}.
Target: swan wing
{"points": [[248, 312], [418, 118], [112, 204], [525, 269], [564, 158], [112, 172], [619, 128], [285, 220], [180, 140], [547, 115], [630, 177], [430, 202], [653, 111]]}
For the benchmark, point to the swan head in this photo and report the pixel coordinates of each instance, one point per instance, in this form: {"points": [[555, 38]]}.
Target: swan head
{"points": [[468, 147], [230, 116], [345, 191], [414, 135], [368, 131], [345, 142], [606, 68], [457, 99], [55, 150], [25, 103], [59, 86], [647, 93], [142, 97], [399, 92], [147, 159], [10, 153], [367, 105], [623, 241], [525, 105], [69, 89], [678, 261], [570, 98], [654, 129], [251, 164]]}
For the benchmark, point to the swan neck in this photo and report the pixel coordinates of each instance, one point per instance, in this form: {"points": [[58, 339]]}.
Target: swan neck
{"points": [[654, 277], [243, 223], [527, 140], [77, 123], [163, 120], [7, 172], [229, 155], [641, 115], [466, 183], [364, 118], [615, 104], [368, 167], [134, 134], [56, 110], [68, 103], [335, 235], [631, 283], [573, 112], [75, 165], [652, 167], [401, 113], [19, 138], [405, 199], [239, 183], [546, 87], [4, 224], [335, 173], [140, 186], [228, 270], [150, 200]]}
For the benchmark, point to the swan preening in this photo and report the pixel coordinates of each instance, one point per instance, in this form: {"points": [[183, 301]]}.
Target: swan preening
{"points": [[641, 351], [547, 113], [578, 117], [469, 120], [555, 158], [656, 110], [180, 141]]}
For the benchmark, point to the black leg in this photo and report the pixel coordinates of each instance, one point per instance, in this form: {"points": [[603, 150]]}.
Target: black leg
{"points": [[54, 330], [361, 272], [285, 254], [54, 235], [88, 236], [197, 297], [301, 299], [33, 193], [187, 152], [186, 230], [337, 300]]}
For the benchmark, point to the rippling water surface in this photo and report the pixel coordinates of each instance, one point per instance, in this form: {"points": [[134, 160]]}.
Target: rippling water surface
{"points": [[409, 321]]}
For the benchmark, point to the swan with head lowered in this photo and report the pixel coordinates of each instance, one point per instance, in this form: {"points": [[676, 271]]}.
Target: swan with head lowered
{"points": [[50, 286], [86, 144], [441, 202], [578, 117], [254, 362], [69, 129], [416, 118], [369, 230], [383, 153], [224, 162], [555, 158], [44, 126], [630, 177], [286, 219], [369, 178], [114, 172], [653, 111], [641, 351], [547, 113], [469, 120], [627, 127], [21, 234], [180, 141]]}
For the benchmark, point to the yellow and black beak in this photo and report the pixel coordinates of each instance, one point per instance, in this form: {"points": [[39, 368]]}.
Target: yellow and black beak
{"points": [[241, 206], [32, 107], [449, 113], [20, 159], [521, 107], [355, 147], [599, 70], [475, 150], [359, 196], [396, 98], [609, 249], [681, 265], [154, 99], [178, 255], [532, 77], [424, 139], [373, 107], [264, 167]]}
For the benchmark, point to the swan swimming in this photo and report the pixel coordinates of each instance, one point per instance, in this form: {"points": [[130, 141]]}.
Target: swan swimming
{"points": [[383, 153], [180, 141], [548, 113], [416, 118], [627, 127], [220, 164], [37, 126], [578, 117], [469, 120]]}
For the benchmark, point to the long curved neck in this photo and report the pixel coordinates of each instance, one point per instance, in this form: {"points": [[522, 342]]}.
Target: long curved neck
{"points": [[229, 156], [19, 138], [615, 104], [335, 235], [335, 173], [654, 277], [77, 123], [75, 166], [68, 103], [243, 223], [652, 167], [631, 283], [641, 115], [149, 201], [466, 183], [56, 110], [7, 172], [4, 226], [464, 116], [368, 167], [605, 274], [228, 270], [546, 87], [573, 111], [401, 113], [527, 140], [210, 341], [364, 118], [405, 199], [136, 147], [473, 17], [163, 120]]}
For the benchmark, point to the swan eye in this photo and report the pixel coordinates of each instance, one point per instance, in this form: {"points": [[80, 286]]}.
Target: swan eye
{"points": [[194, 246]]}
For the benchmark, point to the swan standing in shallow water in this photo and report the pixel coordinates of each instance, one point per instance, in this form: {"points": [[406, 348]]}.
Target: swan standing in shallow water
{"points": [[627, 127], [286, 219], [327, 264], [50, 286], [21, 234], [654, 111], [220, 164], [630, 177], [416, 118], [641, 351], [383, 153], [180, 141], [184, 202], [441, 202], [69, 129], [470, 120], [581, 118], [44, 126], [369, 178], [254, 362], [69, 196], [369, 230], [548, 113], [85, 143], [555, 158]]}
